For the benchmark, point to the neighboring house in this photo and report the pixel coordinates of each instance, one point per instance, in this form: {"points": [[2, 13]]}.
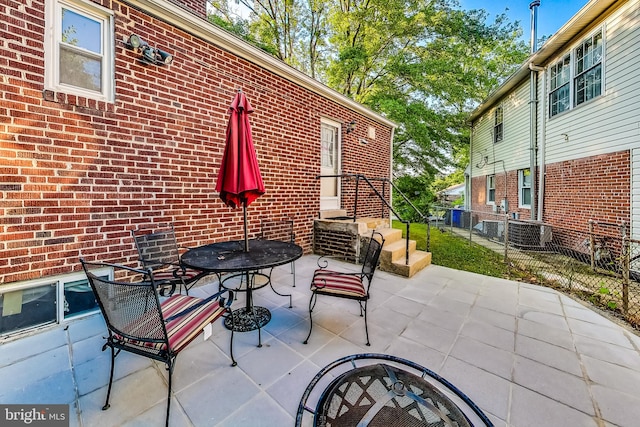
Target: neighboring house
{"points": [[451, 194], [559, 141], [95, 141]]}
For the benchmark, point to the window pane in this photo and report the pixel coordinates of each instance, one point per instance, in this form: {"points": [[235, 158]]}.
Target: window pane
{"points": [[559, 100], [80, 31], [27, 308], [79, 298], [526, 196], [79, 69], [588, 80]]}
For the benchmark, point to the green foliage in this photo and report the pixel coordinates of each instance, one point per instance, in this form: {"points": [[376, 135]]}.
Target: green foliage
{"points": [[415, 189], [449, 250], [424, 64]]}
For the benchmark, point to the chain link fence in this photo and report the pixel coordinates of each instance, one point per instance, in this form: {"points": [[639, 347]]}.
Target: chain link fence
{"points": [[599, 264]]}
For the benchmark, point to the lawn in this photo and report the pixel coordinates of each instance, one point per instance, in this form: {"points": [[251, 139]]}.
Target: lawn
{"points": [[449, 250]]}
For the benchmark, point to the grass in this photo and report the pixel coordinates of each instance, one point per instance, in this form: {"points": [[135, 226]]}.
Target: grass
{"points": [[449, 250]]}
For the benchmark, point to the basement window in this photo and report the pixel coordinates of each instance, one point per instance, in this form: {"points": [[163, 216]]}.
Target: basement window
{"points": [[35, 303]]}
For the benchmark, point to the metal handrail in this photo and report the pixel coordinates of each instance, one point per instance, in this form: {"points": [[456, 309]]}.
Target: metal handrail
{"points": [[359, 177], [425, 218]]}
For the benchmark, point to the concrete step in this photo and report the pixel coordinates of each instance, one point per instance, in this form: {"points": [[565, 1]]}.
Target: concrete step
{"points": [[395, 251], [333, 213], [418, 260], [390, 235], [374, 223]]}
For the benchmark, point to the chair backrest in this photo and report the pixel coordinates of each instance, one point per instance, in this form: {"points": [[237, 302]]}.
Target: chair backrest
{"points": [[156, 247], [372, 255], [278, 229], [130, 308]]}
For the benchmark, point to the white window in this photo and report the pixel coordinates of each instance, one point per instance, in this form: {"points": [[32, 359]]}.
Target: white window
{"points": [[583, 67], [588, 69], [498, 118], [491, 189], [524, 188], [559, 86], [79, 52]]}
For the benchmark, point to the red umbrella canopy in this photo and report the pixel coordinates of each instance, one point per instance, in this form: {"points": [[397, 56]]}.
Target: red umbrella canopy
{"points": [[239, 179]]}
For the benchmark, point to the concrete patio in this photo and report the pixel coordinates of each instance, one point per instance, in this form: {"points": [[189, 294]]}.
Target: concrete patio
{"points": [[527, 356]]}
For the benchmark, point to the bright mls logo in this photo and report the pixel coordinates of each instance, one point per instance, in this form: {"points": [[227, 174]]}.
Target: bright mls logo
{"points": [[34, 415]]}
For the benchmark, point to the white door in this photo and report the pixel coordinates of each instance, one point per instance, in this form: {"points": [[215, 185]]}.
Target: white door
{"points": [[330, 165]]}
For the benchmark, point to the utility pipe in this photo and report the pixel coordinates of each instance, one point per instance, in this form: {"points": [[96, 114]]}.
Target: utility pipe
{"points": [[533, 125], [542, 142]]}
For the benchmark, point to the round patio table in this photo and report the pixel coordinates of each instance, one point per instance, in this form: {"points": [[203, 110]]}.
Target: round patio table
{"points": [[230, 257]]}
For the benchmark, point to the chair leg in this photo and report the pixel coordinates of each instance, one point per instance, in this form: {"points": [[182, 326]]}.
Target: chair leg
{"points": [[233, 327], [170, 369], [113, 362], [366, 328], [312, 304]]}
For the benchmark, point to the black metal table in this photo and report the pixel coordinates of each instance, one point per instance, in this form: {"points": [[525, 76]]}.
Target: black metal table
{"points": [[230, 257]]}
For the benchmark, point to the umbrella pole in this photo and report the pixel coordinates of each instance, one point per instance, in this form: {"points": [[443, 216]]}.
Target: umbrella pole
{"points": [[246, 238]]}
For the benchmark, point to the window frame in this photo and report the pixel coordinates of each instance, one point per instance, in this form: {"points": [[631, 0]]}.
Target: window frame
{"points": [[105, 17], [522, 188], [491, 179], [498, 126], [589, 67], [569, 87]]}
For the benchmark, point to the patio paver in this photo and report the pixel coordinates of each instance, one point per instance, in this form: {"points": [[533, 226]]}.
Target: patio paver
{"points": [[527, 355]]}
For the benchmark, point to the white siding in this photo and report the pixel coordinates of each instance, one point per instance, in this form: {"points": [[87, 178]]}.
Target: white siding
{"points": [[513, 150], [609, 123], [635, 193]]}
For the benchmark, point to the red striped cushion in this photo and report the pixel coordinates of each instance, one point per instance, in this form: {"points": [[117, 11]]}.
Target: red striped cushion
{"points": [[184, 329], [181, 330], [333, 282]]}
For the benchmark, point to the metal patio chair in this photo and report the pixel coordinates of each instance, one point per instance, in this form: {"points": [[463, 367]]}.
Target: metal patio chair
{"points": [[138, 322], [158, 251], [353, 286], [383, 390], [282, 230]]}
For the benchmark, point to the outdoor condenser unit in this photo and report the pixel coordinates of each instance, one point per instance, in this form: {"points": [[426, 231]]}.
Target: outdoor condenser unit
{"points": [[529, 234]]}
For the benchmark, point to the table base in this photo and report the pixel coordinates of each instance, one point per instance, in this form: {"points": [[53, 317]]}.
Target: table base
{"points": [[248, 320]]}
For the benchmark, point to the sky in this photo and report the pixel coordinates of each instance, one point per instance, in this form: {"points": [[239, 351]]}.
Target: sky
{"points": [[552, 14]]}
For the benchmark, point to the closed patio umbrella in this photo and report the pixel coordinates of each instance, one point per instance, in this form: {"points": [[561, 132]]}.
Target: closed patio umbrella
{"points": [[239, 180]]}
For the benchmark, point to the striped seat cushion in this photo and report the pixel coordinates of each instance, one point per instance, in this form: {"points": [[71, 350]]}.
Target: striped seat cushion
{"points": [[339, 284], [181, 330]]}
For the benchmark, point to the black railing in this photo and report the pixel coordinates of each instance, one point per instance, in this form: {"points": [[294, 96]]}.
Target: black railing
{"points": [[385, 203]]}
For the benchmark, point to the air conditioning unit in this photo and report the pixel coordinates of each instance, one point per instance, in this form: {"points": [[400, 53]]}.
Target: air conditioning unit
{"points": [[493, 229], [529, 234]]}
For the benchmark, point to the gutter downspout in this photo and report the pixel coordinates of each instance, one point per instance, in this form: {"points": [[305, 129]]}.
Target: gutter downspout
{"points": [[468, 199], [533, 100], [393, 133], [542, 142]]}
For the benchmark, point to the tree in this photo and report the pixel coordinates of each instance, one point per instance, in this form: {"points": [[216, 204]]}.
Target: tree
{"points": [[425, 64]]}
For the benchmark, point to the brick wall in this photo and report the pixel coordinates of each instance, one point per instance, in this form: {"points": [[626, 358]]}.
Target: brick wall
{"points": [[596, 187], [77, 175]]}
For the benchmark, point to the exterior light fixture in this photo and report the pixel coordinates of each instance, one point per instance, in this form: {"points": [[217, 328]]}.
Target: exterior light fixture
{"points": [[150, 55], [351, 126]]}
